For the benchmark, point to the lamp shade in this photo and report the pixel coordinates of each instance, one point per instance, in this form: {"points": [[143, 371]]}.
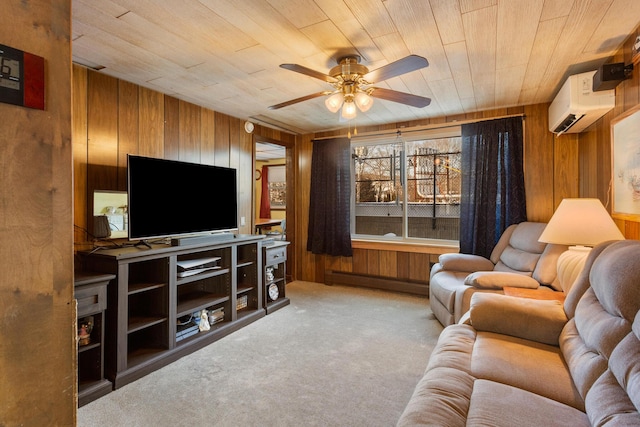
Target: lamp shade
{"points": [[349, 110], [580, 222], [363, 101], [334, 102]]}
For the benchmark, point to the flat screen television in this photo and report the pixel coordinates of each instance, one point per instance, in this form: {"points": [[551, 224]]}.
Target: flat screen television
{"points": [[168, 198]]}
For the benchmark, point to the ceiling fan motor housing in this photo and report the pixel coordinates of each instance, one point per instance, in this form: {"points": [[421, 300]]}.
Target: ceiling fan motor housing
{"points": [[348, 68]]}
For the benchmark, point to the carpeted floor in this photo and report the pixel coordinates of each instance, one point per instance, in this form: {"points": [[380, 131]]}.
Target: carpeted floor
{"points": [[337, 356]]}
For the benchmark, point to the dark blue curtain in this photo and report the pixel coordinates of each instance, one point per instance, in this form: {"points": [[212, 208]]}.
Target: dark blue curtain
{"points": [[493, 193], [330, 197]]}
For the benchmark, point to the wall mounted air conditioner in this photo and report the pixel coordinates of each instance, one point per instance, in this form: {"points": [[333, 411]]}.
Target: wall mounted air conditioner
{"points": [[577, 106]]}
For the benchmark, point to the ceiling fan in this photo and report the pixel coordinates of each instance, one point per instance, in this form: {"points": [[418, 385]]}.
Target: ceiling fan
{"points": [[352, 83]]}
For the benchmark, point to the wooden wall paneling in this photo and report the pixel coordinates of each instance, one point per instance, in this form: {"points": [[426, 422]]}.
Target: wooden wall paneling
{"points": [[171, 136], [320, 265], [207, 136], [565, 168], [595, 144], [631, 230], [538, 163], [241, 159], [588, 164], [403, 265], [102, 132], [303, 150], [38, 344], [151, 123], [630, 88], [235, 133], [222, 140], [128, 128], [373, 262], [80, 160], [419, 266], [388, 263], [360, 261], [189, 132], [603, 156], [334, 263]]}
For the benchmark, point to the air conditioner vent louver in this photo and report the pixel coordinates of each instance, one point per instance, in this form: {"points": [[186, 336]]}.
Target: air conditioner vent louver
{"points": [[576, 106], [568, 122]]}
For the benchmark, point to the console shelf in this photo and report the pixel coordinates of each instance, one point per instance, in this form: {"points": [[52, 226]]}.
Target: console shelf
{"points": [[156, 289], [91, 293], [275, 266]]}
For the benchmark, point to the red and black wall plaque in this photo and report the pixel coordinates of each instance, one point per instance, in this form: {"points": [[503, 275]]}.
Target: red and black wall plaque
{"points": [[21, 78]]}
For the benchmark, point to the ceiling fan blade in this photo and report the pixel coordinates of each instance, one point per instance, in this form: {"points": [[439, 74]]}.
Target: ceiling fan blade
{"points": [[308, 72], [295, 101], [396, 68], [400, 97]]}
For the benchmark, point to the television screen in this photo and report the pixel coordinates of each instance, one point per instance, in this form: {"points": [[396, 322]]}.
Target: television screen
{"points": [[170, 198]]}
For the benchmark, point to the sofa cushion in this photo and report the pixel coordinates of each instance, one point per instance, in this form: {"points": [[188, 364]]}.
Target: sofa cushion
{"points": [[464, 262], [523, 251], [537, 320], [546, 271], [495, 404], [442, 396], [500, 358], [498, 280]]}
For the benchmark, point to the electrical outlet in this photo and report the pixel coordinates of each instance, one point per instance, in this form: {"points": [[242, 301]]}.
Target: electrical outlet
{"points": [[243, 221]]}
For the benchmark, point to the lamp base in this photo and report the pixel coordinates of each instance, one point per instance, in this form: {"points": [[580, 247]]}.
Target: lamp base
{"points": [[570, 264]]}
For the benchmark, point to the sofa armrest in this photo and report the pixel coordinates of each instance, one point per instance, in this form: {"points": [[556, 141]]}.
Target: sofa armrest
{"points": [[535, 320], [500, 279], [464, 262]]}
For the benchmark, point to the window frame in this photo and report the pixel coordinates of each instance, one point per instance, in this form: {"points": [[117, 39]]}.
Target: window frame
{"points": [[400, 136]]}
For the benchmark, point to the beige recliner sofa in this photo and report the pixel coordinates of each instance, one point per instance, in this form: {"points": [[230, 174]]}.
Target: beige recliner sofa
{"points": [[518, 260], [526, 362]]}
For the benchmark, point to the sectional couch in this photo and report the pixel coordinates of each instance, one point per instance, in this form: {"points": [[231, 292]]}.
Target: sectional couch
{"points": [[529, 362]]}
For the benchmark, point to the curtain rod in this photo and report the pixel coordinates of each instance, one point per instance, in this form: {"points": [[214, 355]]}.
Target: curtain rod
{"points": [[419, 128]]}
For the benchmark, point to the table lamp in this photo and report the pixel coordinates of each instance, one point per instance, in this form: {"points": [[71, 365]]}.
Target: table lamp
{"points": [[579, 224]]}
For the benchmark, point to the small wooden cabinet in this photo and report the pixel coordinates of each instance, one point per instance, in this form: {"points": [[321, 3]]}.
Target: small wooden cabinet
{"points": [[275, 267], [90, 292], [159, 293]]}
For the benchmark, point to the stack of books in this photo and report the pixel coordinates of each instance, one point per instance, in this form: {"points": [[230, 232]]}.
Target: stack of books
{"points": [[216, 316], [241, 303], [185, 331]]}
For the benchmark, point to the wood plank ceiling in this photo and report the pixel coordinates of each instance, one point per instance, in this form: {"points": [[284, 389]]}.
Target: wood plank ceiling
{"points": [[225, 55]]}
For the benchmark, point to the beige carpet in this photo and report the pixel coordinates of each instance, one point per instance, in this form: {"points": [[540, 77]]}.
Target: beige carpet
{"points": [[337, 356]]}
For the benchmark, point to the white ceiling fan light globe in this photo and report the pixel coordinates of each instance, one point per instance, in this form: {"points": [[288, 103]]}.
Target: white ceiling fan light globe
{"points": [[349, 110], [334, 102], [363, 101]]}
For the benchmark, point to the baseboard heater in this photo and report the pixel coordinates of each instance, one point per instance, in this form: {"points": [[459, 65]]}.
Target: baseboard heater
{"points": [[332, 277]]}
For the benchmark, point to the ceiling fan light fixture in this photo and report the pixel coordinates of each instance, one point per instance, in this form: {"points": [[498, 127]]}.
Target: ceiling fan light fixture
{"points": [[334, 102], [349, 110], [363, 101]]}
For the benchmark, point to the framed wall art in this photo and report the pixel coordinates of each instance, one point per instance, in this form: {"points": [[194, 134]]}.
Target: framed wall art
{"points": [[278, 187], [625, 165]]}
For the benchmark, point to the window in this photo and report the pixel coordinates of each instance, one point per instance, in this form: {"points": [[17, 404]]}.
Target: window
{"points": [[416, 170]]}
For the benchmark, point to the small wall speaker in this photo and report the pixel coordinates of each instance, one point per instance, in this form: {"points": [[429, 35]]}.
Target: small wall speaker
{"points": [[609, 76]]}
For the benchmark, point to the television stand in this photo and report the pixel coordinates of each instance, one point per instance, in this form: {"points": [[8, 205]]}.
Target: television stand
{"points": [[149, 300], [142, 243]]}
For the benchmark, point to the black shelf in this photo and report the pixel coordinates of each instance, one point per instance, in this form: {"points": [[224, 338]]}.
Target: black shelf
{"points": [[136, 288], [142, 322], [198, 300], [202, 276], [148, 297]]}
